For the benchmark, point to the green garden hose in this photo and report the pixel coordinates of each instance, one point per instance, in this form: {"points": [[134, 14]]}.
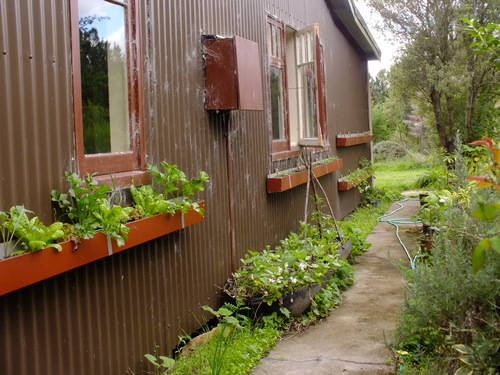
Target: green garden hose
{"points": [[398, 221]]}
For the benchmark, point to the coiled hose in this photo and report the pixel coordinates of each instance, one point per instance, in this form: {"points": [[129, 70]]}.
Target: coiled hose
{"points": [[398, 221]]}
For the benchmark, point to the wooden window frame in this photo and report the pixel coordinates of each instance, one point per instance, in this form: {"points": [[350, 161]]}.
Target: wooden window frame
{"points": [[279, 145], [123, 164], [320, 97], [321, 82]]}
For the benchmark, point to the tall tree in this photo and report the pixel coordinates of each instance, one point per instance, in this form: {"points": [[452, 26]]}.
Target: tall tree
{"points": [[379, 87], [437, 67]]}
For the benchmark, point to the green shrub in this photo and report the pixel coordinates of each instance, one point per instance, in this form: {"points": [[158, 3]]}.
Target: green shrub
{"points": [[451, 314], [385, 150]]}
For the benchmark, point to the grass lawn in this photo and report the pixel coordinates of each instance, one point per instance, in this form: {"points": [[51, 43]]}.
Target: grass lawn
{"points": [[398, 175]]}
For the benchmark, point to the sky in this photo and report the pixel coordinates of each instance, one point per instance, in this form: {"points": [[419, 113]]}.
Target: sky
{"points": [[388, 47], [111, 28]]}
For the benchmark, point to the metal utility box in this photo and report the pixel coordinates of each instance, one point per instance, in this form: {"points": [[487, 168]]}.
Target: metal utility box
{"points": [[233, 78]]}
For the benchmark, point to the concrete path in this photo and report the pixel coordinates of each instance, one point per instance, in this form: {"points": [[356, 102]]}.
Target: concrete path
{"points": [[352, 340]]}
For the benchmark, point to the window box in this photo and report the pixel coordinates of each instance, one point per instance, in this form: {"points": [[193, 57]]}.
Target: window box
{"points": [[282, 182], [345, 140], [345, 185], [20, 271]]}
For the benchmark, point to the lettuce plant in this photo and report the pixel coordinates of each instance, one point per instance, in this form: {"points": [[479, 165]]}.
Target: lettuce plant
{"points": [[177, 191], [87, 206], [31, 234]]}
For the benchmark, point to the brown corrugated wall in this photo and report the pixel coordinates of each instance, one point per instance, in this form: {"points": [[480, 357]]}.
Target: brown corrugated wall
{"points": [[102, 318]]}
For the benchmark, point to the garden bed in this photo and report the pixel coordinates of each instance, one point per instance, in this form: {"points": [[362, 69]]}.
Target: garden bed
{"points": [[345, 140], [285, 181], [22, 270]]}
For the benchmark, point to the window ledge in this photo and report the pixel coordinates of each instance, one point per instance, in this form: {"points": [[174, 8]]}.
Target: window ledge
{"points": [[124, 179], [22, 270], [277, 184], [296, 151]]}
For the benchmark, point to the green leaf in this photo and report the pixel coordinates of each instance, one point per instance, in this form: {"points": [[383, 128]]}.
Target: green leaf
{"points": [[167, 362], [56, 246], [479, 254], [486, 212], [495, 243], [462, 349], [285, 312], [210, 310], [224, 312], [467, 359], [151, 358], [232, 321], [464, 370]]}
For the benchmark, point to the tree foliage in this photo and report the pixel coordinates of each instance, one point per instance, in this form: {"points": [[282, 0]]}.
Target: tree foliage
{"points": [[439, 69]]}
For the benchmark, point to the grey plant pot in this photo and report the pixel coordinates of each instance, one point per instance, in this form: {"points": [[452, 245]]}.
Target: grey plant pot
{"points": [[345, 249]]}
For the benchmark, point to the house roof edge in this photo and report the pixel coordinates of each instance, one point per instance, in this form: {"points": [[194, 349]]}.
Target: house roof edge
{"points": [[346, 12]]}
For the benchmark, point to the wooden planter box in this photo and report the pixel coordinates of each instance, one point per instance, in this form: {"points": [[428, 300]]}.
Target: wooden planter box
{"points": [[353, 139], [287, 182], [20, 271], [345, 185]]}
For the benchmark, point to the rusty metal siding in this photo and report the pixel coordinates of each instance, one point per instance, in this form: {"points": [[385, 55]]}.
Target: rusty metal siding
{"points": [[103, 317]]}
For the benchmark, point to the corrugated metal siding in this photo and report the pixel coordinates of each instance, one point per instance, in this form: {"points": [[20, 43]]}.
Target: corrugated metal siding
{"points": [[102, 318], [36, 143]]}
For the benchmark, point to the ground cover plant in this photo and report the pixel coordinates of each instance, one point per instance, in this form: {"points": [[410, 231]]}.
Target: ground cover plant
{"points": [[450, 320], [252, 338], [89, 207]]}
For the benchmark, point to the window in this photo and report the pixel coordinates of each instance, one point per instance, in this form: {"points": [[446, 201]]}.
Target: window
{"points": [[277, 78], [106, 79], [297, 85]]}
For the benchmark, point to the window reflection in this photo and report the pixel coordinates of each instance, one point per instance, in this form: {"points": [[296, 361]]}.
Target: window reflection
{"points": [[277, 103], [103, 59]]}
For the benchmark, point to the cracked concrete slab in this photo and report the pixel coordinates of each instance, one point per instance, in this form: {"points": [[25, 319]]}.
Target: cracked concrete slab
{"points": [[353, 339]]}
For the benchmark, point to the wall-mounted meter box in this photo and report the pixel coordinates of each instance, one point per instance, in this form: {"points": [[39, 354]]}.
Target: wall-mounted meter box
{"points": [[233, 78]]}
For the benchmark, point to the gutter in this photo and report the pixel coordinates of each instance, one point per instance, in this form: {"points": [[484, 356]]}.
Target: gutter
{"points": [[345, 12]]}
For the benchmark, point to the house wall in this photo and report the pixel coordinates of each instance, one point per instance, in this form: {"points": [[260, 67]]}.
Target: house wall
{"points": [[102, 318]]}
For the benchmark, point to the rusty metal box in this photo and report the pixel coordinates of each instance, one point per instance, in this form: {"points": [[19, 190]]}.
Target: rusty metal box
{"points": [[233, 78]]}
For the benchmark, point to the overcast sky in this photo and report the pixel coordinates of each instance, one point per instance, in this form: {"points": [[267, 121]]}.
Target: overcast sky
{"points": [[388, 47]]}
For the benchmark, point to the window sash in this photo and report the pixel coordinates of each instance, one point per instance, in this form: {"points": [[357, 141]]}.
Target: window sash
{"points": [[309, 63], [113, 162], [277, 60]]}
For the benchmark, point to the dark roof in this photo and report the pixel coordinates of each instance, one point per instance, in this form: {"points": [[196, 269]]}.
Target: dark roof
{"points": [[353, 23]]}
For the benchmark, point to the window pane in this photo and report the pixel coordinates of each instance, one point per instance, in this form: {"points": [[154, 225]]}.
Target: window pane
{"points": [[277, 108], [310, 110], [103, 59]]}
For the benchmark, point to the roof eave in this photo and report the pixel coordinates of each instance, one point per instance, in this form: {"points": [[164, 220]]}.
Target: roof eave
{"points": [[353, 22]]}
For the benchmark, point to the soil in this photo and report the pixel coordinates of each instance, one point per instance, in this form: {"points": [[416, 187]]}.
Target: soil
{"points": [[354, 338]]}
